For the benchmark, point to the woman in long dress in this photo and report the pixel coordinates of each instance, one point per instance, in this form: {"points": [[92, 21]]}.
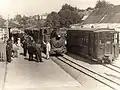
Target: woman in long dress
{"points": [[48, 47], [15, 50]]}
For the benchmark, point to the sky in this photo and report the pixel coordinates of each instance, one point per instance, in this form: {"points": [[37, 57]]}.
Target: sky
{"points": [[32, 7]]}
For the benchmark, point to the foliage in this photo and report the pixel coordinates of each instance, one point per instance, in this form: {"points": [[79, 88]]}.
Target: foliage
{"points": [[69, 15], [69, 7], [101, 4], [25, 21], [89, 8], [53, 20], [66, 16]]}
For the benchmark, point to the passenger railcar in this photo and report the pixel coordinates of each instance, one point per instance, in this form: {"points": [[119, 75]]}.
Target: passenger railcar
{"points": [[101, 44]]}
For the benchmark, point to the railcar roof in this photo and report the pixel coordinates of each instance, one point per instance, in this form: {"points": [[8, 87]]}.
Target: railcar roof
{"points": [[91, 29]]}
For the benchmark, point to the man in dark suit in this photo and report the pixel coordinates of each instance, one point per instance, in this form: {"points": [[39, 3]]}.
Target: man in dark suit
{"points": [[25, 47], [31, 51], [38, 52], [9, 50]]}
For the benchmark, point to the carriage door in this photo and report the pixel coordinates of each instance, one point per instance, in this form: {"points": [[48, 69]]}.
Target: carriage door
{"points": [[115, 44], [108, 43], [101, 45], [91, 46]]}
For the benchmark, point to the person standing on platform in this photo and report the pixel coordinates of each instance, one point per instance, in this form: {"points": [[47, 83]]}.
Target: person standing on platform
{"points": [[38, 52], [12, 39], [15, 50], [48, 47], [9, 50], [31, 50], [25, 47]]}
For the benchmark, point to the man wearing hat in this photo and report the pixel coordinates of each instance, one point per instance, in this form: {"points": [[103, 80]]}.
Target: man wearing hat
{"points": [[9, 50]]}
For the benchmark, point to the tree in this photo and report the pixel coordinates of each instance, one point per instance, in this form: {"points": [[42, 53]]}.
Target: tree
{"points": [[89, 8], [24, 21], [69, 15], [65, 17], [53, 20], [18, 17], [101, 4]]}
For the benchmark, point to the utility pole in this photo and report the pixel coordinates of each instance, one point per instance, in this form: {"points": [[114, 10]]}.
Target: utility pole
{"points": [[8, 28]]}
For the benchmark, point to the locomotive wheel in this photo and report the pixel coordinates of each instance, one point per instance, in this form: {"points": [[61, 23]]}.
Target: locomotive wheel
{"points": [[102, 61]]}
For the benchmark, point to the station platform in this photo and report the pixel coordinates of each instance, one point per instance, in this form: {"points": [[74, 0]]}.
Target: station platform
{"points": [[2, 73], [30, 75]]}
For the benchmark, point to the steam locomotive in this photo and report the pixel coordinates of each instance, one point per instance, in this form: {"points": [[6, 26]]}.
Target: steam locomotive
{"points": [[56, 37]]}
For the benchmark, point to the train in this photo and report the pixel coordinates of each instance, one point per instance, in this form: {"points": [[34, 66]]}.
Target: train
{"points": [[56, 37], [98, 44]]}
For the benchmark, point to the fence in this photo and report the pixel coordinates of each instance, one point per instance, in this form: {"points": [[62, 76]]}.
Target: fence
{"points": [[2, 51]]}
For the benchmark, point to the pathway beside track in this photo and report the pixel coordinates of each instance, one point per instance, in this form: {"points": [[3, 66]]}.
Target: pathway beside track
{"points": [[30, 75]]}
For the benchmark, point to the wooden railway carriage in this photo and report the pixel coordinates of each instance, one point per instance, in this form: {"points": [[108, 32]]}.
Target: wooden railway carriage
{"points": [[101, 44]]}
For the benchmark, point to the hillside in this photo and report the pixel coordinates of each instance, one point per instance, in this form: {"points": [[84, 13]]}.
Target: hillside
{"points": [[110, 14]]}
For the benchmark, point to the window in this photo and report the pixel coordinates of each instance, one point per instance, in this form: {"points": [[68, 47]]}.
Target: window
{"points": [[108, 37], [101, 37], [96, 38], [85, 38], [115, 40]]}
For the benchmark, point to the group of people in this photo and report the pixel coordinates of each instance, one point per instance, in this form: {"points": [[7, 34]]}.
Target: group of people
{"points": [[33, 48], [11, 49], [29, 46]]}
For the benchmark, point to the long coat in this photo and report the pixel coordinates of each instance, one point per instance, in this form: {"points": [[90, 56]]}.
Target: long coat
{"points": [[38, 52], [9, 51]]}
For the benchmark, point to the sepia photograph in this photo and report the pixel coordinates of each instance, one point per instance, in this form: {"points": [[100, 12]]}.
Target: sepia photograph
{"points": [[59, 45]]}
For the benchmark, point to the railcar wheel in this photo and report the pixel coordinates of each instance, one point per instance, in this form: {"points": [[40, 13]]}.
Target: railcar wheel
{"points": [[101, 61], [111, 61]]}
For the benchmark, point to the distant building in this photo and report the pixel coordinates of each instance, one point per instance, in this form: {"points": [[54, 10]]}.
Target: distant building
{"points": [[44, 16]]}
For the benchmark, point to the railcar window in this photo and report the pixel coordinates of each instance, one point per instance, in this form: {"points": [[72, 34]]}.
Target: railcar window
{"points": [[101, 37], [85, 38], [115, 40], [108, 38], [96, 38]]}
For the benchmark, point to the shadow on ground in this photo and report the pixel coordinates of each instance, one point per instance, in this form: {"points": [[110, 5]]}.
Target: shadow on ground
{"points": [[22, 54], [81, 58], [34, 60]]}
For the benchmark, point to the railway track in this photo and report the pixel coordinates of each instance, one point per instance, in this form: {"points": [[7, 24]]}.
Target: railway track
{"points": [[113, 69], [116, 66], [89, 72]]}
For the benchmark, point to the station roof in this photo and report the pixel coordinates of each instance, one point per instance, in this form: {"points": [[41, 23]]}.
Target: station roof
{"points": [[91, 29]]}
